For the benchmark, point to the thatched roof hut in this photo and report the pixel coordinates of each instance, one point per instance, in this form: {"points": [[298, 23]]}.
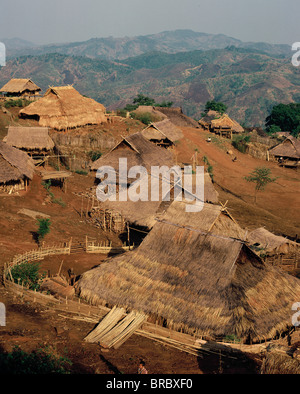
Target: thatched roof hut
{"points": [[138, 151], [271, 244], [201, 282], [163, 133], [32, 139], [64, 108], [20, 87], [177, 117], [224, 123], [15, 166], [287, 152], [220, 123], [205, 121]]}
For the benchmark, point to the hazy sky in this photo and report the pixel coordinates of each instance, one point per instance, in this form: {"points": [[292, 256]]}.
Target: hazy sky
{"points": [[48, 21]]}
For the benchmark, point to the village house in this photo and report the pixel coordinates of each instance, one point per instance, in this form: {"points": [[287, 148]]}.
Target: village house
{"points": [[194, 273], [16, 169], [21, 88], [287, 153], [33, 140], [64, 108], [164, 133], [220, 124]]}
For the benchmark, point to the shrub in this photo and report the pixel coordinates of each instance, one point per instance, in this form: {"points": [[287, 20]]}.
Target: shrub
{"points": [[94, 155], [240, 142], [28, 274], [39, 361], [44, 228]]}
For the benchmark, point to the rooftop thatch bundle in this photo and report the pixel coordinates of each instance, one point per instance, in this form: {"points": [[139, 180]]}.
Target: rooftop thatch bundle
{"points": [[289, 148], [201, 282], [15, 165], [64, 108], [29, 138], [164, 131], [20, 86], [270, 243], [138, 151]]}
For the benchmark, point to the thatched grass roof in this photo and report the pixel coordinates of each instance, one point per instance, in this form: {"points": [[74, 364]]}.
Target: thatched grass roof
{"points": [[290, 148], [208, 117], [30, 138], [138, 151], [203, 283], [269, 242], [14, 164], [64, 107], [162, 130], [226, 122], [177, 117], [20, 85]]}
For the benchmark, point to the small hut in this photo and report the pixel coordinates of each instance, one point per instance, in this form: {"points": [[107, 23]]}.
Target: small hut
{"points": [[21, 88], [138, 151], [225, 126], [220, 124], [64, 108], [16, 169], [206, 120], [287, 153], [163, 133], [33, 140], [177, 117], [191, 276], [275, 249]]}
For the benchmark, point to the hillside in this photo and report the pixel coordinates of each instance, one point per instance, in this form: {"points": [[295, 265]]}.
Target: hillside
{"points": [[248, 82], [112, 48]]}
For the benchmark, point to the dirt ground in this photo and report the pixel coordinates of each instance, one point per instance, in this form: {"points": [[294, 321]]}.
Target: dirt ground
{"points": [[32, 327]]}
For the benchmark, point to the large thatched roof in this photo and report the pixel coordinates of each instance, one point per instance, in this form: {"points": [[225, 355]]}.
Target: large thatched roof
{"points": [[14, 164], [290, 148], [269, 242], [64, 107], [138, 151], [164, 130], [203, 283], [20, 85], [29, 138]]}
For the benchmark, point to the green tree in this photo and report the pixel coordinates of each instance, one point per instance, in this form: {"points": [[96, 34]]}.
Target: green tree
{"points": [[143, 100], [286, 117], [261, 176], [215, 106], [44, 228]]}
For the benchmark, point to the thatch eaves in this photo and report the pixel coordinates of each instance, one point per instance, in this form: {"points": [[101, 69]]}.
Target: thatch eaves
{"points": [[29, 138], [63, 108], [200, 282], [14, 164], [20, 85]]}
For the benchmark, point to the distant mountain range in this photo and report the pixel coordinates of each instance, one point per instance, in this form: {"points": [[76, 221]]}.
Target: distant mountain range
{"points": [[248, 77], [111, 48]]}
